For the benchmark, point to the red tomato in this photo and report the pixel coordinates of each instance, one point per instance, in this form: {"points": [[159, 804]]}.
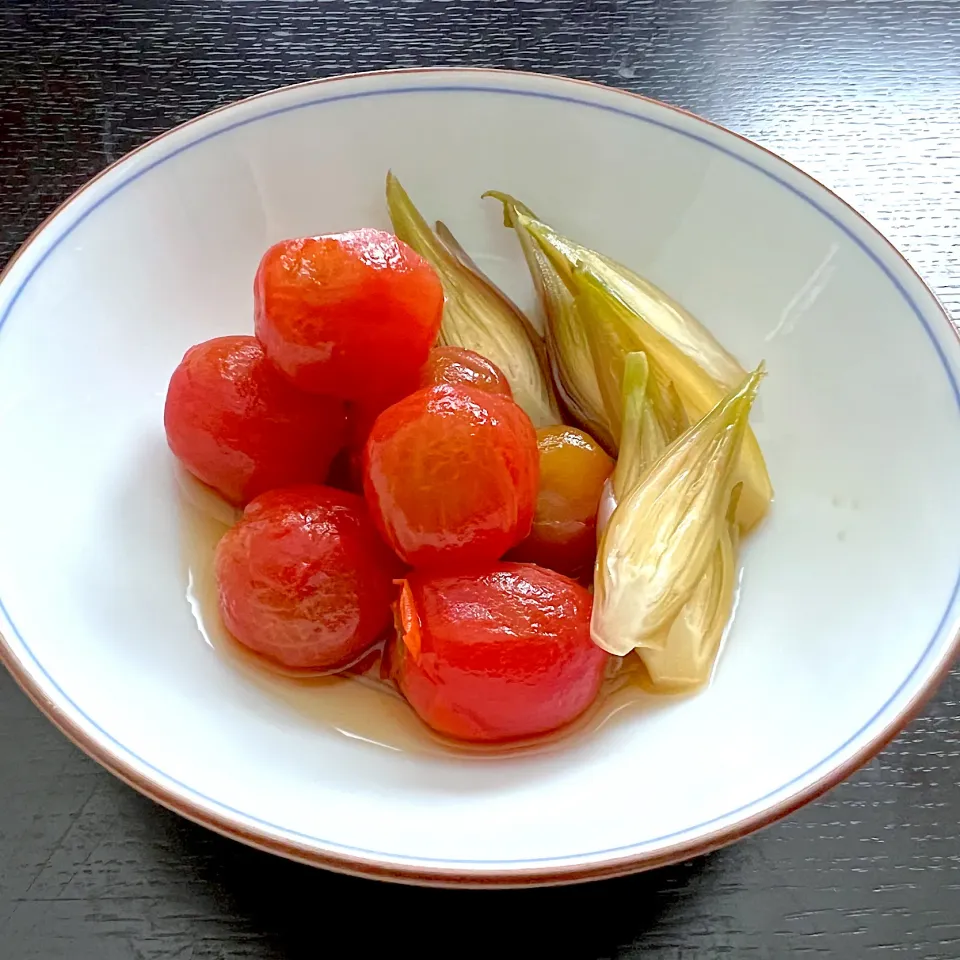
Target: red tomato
{"points": [[351, 315], [450, 476], [460, 367], [573, 470], [347, 470], [238, 426], [498, 655], [304, 579]]}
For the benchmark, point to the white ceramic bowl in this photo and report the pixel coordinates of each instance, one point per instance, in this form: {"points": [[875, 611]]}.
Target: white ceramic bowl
{"points": [[849, 608]]}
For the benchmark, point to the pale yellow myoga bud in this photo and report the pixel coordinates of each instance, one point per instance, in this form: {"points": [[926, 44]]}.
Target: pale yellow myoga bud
{"points": [[684, 352], [477, 316], [665, 532]]}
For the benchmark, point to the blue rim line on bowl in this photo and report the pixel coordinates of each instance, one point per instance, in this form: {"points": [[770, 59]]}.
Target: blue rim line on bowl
{"points": [[400, 859]]}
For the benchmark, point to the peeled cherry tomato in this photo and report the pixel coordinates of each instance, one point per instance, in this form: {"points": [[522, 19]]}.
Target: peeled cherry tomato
{"points": [[241, 428], [498, 655], [350, 315], [573, 469], [304, 579], [347, 470], [450, 476], [460, 367]]}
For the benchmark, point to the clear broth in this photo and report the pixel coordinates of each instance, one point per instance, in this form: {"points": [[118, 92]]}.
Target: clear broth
{"points": [[357, 703]]}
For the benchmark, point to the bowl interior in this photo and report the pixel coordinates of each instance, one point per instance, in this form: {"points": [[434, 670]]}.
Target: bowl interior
{"points": [[849, 591]]}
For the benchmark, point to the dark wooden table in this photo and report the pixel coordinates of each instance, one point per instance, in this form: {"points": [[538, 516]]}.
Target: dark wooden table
{"points": [[865, 95]]}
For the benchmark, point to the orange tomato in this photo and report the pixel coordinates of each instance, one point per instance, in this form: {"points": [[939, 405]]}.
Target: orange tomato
{"points": [[573, 470]]}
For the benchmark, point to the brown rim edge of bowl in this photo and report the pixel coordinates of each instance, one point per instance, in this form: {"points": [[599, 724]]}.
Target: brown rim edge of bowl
{"points": [[425, 876]]}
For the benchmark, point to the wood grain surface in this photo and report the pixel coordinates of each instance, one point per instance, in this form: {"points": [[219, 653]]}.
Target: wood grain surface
{"points": [[863, 94]]}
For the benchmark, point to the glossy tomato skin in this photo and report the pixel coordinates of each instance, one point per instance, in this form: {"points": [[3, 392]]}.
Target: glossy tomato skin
{"points": [[351, 315], [304, 580], [573, 470], [450, 476], [497, 655], [460, 367], [241, 428]]}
